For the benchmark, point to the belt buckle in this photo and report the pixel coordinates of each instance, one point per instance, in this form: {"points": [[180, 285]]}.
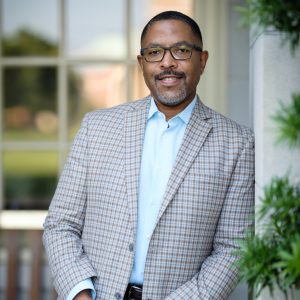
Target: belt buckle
{"points": [[133, 288]]}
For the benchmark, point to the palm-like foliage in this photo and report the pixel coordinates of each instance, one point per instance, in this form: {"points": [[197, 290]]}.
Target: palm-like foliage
{"points": [[281, 15], [273, 258], [288, 121]]}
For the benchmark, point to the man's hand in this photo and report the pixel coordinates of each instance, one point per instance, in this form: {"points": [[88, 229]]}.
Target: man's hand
{"points": [[83, 295]]}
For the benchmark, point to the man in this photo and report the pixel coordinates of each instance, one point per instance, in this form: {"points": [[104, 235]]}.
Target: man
{"points": [[155, 193]]}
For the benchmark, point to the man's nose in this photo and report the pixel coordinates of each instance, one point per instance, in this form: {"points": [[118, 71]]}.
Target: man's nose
{"points": [[168, 61]]}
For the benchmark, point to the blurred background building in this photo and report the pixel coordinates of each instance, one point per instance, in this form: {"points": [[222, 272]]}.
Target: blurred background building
{"points": [[62, 58]]}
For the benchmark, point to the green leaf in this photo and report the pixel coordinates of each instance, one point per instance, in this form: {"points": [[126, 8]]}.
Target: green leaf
{"points": [[281, 15], [288, 121], [273, 257]]}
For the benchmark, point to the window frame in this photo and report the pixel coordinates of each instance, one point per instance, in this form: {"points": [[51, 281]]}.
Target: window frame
{"points": [[62, 145], [11, 218]]}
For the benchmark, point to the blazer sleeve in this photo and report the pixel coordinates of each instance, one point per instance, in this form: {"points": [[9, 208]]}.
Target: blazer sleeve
{"points": [[218, 276], [63, 226]]}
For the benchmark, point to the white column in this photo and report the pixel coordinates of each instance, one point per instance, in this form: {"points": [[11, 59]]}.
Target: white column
{"points": [[275, 75], [212, 17]]}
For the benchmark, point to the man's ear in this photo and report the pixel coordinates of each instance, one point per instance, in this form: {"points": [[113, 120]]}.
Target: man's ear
{"points": [[203, 59], [140, 61]]}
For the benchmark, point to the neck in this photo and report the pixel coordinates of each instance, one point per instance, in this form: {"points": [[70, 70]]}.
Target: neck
{"points": [[171, 111]]}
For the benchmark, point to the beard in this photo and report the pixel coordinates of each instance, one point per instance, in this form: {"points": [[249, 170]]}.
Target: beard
{"points": [[171, 97]]}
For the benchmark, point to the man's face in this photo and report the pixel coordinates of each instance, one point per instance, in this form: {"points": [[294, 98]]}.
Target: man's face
{"points": [[171, 81]]}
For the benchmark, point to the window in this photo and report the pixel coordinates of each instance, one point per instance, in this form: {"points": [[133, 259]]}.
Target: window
{"points": [[60, 59]]}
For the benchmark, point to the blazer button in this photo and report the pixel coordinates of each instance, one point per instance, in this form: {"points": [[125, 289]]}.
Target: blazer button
{"points": [[131, 247], [118, 296]]}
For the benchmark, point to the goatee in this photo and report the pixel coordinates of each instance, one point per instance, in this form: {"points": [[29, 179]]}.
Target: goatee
{"points": [[170, 98]]}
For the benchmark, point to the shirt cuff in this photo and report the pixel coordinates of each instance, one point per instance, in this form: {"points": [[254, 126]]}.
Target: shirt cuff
{"points": [[83, 285]]}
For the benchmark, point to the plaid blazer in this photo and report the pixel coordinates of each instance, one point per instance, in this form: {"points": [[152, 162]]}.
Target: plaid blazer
{"points": [[91, 225]]}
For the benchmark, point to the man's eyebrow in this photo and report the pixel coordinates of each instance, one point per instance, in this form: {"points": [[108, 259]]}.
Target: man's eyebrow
{"points": [[154, 45], [183, 43]]}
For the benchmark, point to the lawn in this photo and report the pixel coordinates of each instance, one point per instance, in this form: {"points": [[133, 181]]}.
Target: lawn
{"points": [[30, 163]]}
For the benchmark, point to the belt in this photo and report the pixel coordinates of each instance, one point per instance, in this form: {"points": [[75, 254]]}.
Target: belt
{"points": [[133, 292]]}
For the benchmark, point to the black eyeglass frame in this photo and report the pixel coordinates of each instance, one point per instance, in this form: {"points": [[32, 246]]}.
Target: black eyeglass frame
{"points": [[193, 46]]}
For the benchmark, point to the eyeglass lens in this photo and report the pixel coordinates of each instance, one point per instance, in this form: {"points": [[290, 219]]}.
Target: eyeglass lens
{"points": [[157, 53]]}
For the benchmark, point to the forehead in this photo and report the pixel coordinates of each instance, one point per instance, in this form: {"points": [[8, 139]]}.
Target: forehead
{"points": [[168, 32]]}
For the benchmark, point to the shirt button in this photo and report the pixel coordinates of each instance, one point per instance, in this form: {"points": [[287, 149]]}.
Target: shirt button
{"points": [[131, 247], [118, 296]]}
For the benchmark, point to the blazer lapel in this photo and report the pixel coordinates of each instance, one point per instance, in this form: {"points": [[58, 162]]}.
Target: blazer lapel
{"points": [[135, 123], [195, 135]]}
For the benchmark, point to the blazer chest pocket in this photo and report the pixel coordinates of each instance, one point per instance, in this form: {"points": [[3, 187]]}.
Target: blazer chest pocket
{"points": [[205, 193]]}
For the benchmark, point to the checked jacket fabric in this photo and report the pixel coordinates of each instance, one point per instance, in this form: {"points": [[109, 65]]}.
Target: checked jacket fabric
{"points": [[91, 224]]}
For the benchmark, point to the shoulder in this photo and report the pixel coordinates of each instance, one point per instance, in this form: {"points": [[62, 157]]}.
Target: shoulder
{"points": [[115, 115], [227, 129]]}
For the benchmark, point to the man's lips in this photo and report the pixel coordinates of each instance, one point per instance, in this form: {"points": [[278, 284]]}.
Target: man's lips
{"points": [[169, 77], [171, 80]]}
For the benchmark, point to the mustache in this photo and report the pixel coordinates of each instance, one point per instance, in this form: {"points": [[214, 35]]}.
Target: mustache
{"points": [[169, 72]]}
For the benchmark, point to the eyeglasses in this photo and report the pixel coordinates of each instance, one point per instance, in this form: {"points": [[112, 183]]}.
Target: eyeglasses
{"points": [[178, 52]]}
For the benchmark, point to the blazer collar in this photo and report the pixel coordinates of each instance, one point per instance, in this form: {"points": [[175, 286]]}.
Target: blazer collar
{"points": [[195, 134], [134, 130]]}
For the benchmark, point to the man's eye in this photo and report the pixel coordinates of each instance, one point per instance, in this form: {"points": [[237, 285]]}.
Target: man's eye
{"points": [[183, 50], [154, 51]]}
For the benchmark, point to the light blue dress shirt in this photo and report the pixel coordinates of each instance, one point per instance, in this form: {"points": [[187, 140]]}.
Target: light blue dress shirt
{"points": [[161, 144]]}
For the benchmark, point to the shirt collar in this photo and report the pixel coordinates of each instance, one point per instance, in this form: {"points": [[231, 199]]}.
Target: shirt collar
{"points": [[184, 115]]}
